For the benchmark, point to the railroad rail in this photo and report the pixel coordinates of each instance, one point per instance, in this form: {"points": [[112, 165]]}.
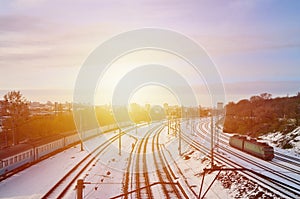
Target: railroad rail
{"points": [[282, 188], [66, 182]]}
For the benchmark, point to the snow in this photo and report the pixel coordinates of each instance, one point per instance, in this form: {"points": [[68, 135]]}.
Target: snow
{"points": [[239, 189], [106, 174], [191, 165], [290, 141], [35, 181], [105, 178]]}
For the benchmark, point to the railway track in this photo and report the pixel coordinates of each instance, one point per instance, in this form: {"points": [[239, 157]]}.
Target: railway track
{"points": [[171, 189], [66, 182], [180, 172], [265, 168], [294, 166], [141, 177], [133, 175], [274, 185], [291, 160], [278, 164], [287, 157], [147, 150], [137, 172], [280, 187]]}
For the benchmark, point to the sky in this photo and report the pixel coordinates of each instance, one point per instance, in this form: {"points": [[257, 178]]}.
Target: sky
{"points": [[255, 44]]}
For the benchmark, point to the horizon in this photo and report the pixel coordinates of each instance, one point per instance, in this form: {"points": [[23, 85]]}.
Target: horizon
{"points": [[35, 96]]}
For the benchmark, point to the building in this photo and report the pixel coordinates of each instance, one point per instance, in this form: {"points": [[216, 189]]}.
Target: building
{"points": [[220, 106]]}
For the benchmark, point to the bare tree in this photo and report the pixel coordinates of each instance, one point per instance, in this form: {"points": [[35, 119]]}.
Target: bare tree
{"points": [[17, 112], [266, 96]]}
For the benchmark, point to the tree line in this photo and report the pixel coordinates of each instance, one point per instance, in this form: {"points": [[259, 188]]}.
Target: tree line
{"points": [[262, 114], [18, 124]]}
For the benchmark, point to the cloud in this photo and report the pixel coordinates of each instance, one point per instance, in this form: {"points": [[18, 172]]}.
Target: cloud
{"points": [[26, 3], [20, 23], [63, 48]]}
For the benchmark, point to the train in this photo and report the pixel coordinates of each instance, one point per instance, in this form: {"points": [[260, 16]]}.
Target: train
{"points": [[18, 156], [252, 146]]}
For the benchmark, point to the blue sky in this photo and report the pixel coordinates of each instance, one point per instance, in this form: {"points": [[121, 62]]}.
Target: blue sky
{"points": [[255, 44]]}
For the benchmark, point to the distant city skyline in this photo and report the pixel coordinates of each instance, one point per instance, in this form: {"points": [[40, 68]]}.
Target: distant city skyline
{"points": [[254, 44], [60, 96]]}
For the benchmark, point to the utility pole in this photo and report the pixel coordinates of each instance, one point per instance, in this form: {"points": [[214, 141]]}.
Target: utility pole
{"points": [[212, 141], [192, 126], [217, 132], [179, 134], [120, 141], [136, 128], [80, 122], [80, 188], [13, 132], [168, 125]]}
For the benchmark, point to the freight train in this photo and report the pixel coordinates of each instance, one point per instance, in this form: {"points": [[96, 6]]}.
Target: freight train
{"points": [[18, 156], [252, 146]]}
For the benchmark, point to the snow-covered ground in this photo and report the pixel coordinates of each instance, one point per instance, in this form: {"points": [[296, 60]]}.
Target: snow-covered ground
{"points": [[106, 176], [36, 180], [278, 169], [233, 183], [289, 142], [187, 168]]}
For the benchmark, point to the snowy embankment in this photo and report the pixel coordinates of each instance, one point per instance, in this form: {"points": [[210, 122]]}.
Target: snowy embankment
{"points": [[36, 180], [289, 141], [236, 184]]}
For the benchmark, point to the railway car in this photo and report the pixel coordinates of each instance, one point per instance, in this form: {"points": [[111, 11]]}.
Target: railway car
{"points": [[15, 157], [22, 154], [48, 145], [71, 139], [253, 147], [237, 141], [88, 134], [259, 149]]}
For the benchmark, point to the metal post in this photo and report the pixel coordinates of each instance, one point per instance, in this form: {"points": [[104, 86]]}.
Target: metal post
{"points": [[80, 122], [217, 132], [176, 126], [6, 139], [210, 184], [80, 187], [212, 141], [120, 141], [168, 125], [179, 134], [136, 129], [14, 131], [201, 186]]}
